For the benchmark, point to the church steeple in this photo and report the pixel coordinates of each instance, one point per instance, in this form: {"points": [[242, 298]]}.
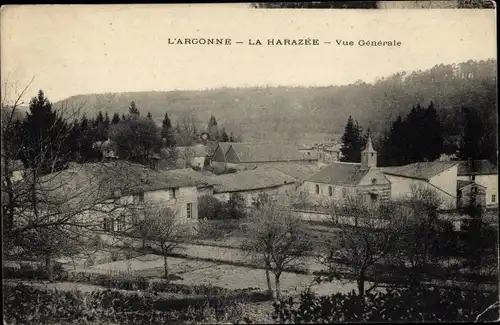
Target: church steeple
{"points": [[368, 156]]}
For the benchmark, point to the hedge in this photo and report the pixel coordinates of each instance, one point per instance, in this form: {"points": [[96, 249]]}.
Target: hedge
{"points": [[395, 305], [24, 304]]}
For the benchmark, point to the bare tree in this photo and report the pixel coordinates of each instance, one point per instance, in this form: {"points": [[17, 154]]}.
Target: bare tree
{"points": [[186, 130], [278, 236], [165, 230], [186, 155], [360, 246]]}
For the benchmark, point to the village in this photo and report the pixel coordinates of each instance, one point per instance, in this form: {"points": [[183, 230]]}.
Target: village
{"points": [[157, 168]]}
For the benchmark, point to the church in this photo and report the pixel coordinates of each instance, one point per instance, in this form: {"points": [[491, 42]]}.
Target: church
{"points": [[339, 180]]}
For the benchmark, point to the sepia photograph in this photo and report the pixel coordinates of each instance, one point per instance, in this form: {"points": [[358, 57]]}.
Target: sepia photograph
{"points": [[249, 163]]}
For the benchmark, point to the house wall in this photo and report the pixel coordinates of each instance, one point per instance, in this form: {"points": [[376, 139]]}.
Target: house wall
{"points": [[447, 180], [165, 198], [402, 186], [323, 197], [491, 184]]}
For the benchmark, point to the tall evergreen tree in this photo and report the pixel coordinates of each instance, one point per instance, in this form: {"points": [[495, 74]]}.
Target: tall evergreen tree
{"points": [[115, 119], [124, 117], [472, 135], [107, 122], [133, 110], [45, 146], [352, 141], [167, 132], [432, 137]]}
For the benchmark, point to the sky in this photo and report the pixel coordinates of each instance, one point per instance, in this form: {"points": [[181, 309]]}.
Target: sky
{"points": [[80, 49]]}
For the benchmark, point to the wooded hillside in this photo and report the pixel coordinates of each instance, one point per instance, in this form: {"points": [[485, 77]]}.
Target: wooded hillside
{"points": [[302, 112]]}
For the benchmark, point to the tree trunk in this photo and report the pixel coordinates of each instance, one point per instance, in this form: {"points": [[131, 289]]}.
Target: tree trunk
{"points": [[143, 242], [361, 287], [49, 267], [268, 279], [277, 283], [165, 264]]}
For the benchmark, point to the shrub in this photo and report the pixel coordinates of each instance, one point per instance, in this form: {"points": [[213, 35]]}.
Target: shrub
{"points": [[235, 207], [34, 270], [395, 305], [209, 208]]}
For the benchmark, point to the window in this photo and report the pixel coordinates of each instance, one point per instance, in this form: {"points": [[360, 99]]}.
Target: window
{"points": [[330, 191], [473, 177], [317, 189], [173, 193], [474, 190], [109, 224], [374, 181], [120, 224], [372, 154], [189, 210], [493, 198]]}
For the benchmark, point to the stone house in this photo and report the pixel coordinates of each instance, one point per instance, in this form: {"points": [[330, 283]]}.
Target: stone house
{"points": [[483, 173], [439, 176], [339, 180], [111, 195]]}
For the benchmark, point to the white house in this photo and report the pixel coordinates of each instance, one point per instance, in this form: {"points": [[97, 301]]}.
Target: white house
{"points": [[484, 173], [440, 176]]}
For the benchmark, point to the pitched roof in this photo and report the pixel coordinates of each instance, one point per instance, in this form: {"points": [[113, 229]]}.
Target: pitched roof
{"points": [[224, 146], [476, 167], [340, 173], [420, 170], [194, 176], [251, 180], [299, 172], [269, 152], [462, 184], [117, 178]]}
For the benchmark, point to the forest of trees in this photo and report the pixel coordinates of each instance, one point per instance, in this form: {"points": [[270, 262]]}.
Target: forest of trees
{"points": [[420, 136]]}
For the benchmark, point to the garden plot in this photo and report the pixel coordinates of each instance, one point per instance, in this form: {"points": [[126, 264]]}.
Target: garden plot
{"points": [[194, 272]]}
